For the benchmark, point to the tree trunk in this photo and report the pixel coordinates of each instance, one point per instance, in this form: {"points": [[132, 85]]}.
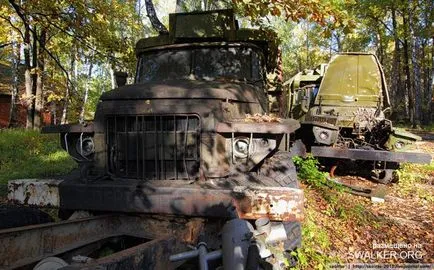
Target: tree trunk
{"points": [[431, 85], [27, 76], [64, 119], [152, 15], [430, 66], [86, 89], [409, 77], [396, 90], [70, 86], [34, 73], [415, 47], [13, 121], [307, 46], [338, 42], [39, 100], [112, 77], [380, 49], [179, 6]]}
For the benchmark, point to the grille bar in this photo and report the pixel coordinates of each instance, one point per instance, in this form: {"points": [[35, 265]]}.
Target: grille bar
{"points": [[153, 147]]}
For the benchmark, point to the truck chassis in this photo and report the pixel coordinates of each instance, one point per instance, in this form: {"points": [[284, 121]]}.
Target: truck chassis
{"points": [[154, 236]]}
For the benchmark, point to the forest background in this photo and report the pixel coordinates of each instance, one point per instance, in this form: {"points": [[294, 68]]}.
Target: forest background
{"points": [[64, 53]]}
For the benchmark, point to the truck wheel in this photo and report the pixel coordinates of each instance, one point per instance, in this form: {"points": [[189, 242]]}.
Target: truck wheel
{"points": [[12, 216], [385, 176], [50, 263], [281, 170]]}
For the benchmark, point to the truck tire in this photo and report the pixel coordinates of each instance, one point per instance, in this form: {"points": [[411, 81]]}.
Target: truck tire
{"points": [[280, 169], [12, 216], [293, 232], [385, 176]]}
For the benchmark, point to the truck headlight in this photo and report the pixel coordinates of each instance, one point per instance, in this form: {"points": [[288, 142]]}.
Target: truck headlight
{"points": [[324, 135], [241, 147], [399, 145], [85, 146]]}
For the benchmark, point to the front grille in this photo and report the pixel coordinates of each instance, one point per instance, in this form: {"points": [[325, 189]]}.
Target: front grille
{"points": [[153, 147]]}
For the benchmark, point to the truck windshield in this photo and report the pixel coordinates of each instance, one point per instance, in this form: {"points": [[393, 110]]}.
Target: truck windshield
{"points": [[204, 63]]}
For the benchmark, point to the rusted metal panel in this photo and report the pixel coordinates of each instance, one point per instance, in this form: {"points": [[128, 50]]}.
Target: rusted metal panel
{"points": [[286, 126], [39, 192], [252, 202], [29, 244], [76, 128], [377, 155], [276, 203]]}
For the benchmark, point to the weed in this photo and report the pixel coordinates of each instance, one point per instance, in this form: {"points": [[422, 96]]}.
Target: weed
{"points": [[316, 246], [308, 171]]}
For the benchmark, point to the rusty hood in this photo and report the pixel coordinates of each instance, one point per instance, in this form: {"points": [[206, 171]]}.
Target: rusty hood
{"points": [[188, 89]]}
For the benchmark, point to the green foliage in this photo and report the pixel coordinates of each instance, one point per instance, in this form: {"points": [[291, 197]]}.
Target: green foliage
{"points": [[29, 154], [314, 253], [331, 192], [325, 13], [309, 173], [96, 33]]}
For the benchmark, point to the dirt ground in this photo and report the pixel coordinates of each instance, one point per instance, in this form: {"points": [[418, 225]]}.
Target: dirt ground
{"points": [[398, 230]]}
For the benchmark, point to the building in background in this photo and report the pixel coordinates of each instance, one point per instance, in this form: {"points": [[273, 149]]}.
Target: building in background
{"points": [[6, 81]]}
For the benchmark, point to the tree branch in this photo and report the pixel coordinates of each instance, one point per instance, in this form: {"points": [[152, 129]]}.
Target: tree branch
{"points": [[13, 26], [18, 11], [385, 26], [5, 45], [152, 15], [26, 24], [77, 37]]}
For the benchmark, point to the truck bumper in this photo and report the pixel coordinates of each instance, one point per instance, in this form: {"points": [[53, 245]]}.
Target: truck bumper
{"points": [[374, 155], [162, 197]]}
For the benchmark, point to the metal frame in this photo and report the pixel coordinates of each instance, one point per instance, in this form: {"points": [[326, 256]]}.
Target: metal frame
{"points": [[374, 155], [26, 245], [179, 198]]}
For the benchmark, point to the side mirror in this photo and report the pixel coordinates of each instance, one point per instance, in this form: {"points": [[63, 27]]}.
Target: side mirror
{"points": [[121, 78]]}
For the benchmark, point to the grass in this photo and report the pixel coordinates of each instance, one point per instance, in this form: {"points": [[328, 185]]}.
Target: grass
{"points": [[326, 203], [29, 154], [413, 177], [314, 253], [316, 245], [337, 223]]}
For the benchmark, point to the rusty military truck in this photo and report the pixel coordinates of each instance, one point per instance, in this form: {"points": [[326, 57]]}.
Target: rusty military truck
{"points": [[342, 107], [191, 139]]}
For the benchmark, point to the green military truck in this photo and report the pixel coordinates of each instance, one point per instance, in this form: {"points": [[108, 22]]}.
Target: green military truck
{"points": [[342, 109]]}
